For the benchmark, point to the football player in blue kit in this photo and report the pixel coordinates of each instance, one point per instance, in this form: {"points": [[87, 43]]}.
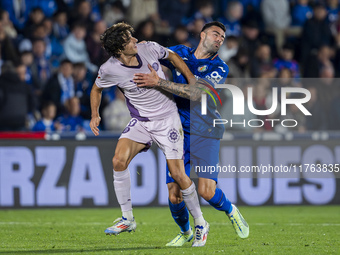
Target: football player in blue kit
{"points": [[201, 139]]}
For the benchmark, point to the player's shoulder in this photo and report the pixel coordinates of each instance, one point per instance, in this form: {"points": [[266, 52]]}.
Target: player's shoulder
{"points": [[147, 44], [180, 49], [219, 63], [110, 66]]}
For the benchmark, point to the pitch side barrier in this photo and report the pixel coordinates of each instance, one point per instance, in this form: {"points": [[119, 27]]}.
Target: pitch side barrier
{"points": [[75, 170]]}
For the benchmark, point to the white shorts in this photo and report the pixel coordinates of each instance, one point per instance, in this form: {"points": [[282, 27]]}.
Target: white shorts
{"points": [[166, 133]]}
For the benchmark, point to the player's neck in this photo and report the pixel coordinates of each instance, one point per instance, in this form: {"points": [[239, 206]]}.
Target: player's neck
{"points": [[128, 60], [201, 53]]}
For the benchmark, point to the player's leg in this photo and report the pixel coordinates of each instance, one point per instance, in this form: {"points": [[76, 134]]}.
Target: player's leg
{"points": [[206, 154], [126, 150], [180, 214], [177, 206], [189, 194], [169, 138], [217, 199]]}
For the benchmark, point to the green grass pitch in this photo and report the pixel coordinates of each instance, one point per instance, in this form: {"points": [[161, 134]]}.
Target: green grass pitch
{"points": [[273, 230]]}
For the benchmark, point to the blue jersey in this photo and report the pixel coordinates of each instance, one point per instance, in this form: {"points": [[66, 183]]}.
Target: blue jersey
{"points": [[212, 69]]}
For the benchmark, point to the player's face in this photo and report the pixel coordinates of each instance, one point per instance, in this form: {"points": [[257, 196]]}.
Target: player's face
{"points": [[213, 38], [130, 47]]}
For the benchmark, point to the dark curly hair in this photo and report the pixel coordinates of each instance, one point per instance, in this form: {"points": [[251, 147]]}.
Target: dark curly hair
{"points": [[115, 38]]}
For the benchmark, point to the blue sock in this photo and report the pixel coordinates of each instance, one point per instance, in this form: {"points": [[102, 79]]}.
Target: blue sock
{"points": [[180, 214], [220, 202]]}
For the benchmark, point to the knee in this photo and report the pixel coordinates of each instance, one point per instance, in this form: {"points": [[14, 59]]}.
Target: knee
{"points": [[175, 198], [206, 192], [118, 163]]}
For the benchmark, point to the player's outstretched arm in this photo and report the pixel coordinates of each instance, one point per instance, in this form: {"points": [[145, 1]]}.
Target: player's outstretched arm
{"points": [[95, 98], [181, 66], [192, 92]]}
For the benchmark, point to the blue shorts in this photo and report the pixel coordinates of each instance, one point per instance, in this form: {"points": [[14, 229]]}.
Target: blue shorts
{"points": [[199, 152]]}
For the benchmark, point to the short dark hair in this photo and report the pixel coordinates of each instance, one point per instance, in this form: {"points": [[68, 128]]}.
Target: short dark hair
{"points": [[65, 61], [115, 38], [214, 23]]}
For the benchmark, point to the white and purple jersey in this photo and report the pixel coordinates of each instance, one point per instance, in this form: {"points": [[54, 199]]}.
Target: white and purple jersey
{"points": [[144, 103]]}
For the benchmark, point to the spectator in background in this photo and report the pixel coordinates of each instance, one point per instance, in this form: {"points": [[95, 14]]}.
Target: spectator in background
{"points": [[31, 77], [7, 48], [333, 10], [49, 7], [250, 36], [82, 15], [146, 31], [205, 11], [71, 120], [60, 87], [7, 24], [231, 19], [174, 11], [41, 65], [46, 123], [83, 89], [140, 10], [262, 65], [15, 100], [195, 31], [114, 12], [286, 60], [316, 63], [60, 26], [179, 36], [277, 19], [301, 13], [56, 47], [239, 65], [316, 32], [116, 115], [229, 48], [19, 11], [96, 52], [75, 47], [36, 17]]}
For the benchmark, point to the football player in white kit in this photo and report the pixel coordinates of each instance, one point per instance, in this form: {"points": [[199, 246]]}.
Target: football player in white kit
{"points": [[154, 119]]}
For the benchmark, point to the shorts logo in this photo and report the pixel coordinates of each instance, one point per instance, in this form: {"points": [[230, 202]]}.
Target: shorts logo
{"points": [[155, 66], [202, 68], [173, 135]]}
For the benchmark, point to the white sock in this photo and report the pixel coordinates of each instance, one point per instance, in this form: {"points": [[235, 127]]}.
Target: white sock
{"points": [[122, 186], [191, 201], [128, 215]]}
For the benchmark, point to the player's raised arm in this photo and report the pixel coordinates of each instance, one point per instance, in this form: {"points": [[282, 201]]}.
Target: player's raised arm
{"points": [[181, 66], [192, 92], [95, 98]]}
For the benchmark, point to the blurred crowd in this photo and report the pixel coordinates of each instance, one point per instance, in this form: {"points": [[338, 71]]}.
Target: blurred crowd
{"points": [[50, 53]]}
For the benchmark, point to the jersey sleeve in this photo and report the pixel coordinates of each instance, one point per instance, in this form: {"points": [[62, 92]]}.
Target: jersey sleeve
{"points": [[178, 50], [104, 79], [158, 50]]}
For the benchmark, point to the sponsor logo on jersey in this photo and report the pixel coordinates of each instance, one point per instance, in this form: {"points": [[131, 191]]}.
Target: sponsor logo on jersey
{"points": [[202, 68]]}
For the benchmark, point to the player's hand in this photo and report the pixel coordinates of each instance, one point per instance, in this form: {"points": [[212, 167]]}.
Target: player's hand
{"points": [[146, 79], [94, 125]]}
